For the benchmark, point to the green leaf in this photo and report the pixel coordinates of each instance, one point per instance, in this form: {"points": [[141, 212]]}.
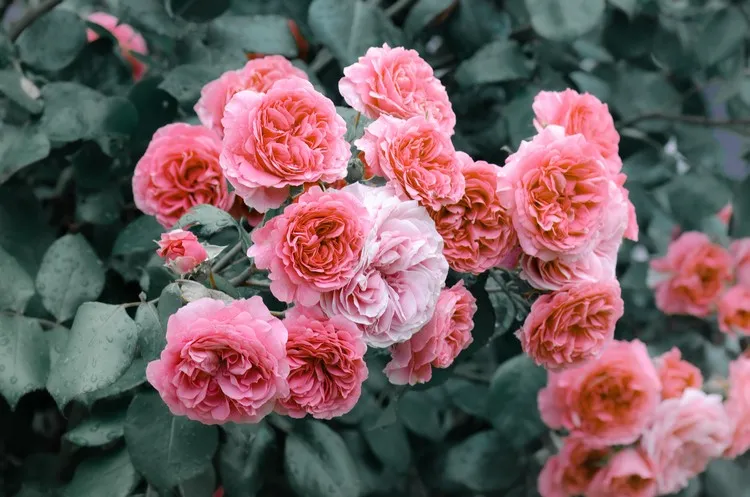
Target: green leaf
{"points": [[185, 82], [197, 10], [724, 478], [485, 320], [167, 449], [100, 348], [356, 122], [169, 301], [20, 90], [70, 274], [24, 357], [253, 34], [102, 207], [53, 40], [420, 414], [741, 205], [588, 83], [696, 196], [512, 401], [153, 16], [468, 396], [112, 475], [57, 338], [482, 463], [24, 237], [424, 13], [151, 336], [390, 444], [318, 464], [244, 458], [630, 7], [20, 147], [206, 220], [98, 429], [637, 92], [133, 377], [16, 286], [139, 236], [496, 62], [721, 35], [475, 23], [558, 21]]}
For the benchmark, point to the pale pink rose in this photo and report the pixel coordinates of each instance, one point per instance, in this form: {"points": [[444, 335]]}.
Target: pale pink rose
{"points": [[570, 472], [416, 156], [608, 401], [740, 251], [288, 136], [439, 342], [557, 273], [223, 362], [180, 170], [257, 75], [628, 473], [181, 250], [396, 82], [326, 361], [560, 196], [580, 114], [129, 39], [676, 375], [683, 436], [571, 326], [734, 310], [725, 214], [738, 406], [477, 230], [692, 275], [315, 246], [394, 294]]}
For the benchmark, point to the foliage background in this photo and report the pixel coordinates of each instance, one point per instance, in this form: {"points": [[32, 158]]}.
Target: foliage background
{"points": [[77, 418]]}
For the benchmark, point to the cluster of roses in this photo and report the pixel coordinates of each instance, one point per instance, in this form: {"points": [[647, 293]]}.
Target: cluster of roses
{"points": [[640, 428]]}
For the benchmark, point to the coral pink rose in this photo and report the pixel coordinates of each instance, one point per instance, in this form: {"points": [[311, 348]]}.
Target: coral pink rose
{"points": [[740, 251], [683, 436], [571, 471], [676, 375], [557, 273], [560, 196], [608, 401], [734, 310], [439, 342], [258, 75], [223, 362], [180, 170], [181, 251], [738, 406], [631, 231], [130, 40], [416, 156], [691, 277], [395, 292], [572, 325], [326, 364], [315, 246], [580, 114], [396, 82], [288, 136], [629, 473], [477, 230]]}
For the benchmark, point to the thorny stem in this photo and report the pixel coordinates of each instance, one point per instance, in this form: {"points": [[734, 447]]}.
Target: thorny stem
{"points": [[31, 15]]}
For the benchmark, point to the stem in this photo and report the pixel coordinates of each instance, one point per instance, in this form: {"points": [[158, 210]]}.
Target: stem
{"points": [[44, 322], [227, 258], [699, 120], [136, 304], [322, 58], [243, 276], [31, 16]]}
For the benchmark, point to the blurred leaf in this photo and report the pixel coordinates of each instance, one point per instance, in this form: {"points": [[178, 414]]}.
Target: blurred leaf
{"points": [[482, 463], [475, 23], [16, 87], [694, 197], [20, 147], [724, 478], [630, 7], [112, 475], [589, 83], [138, 236], [484, 320], [185, 82], [24, 357], [197, 10], [426, 12], [496, 62], [16, 286], [468, 396], [741, 205], [244, 457], [721, 35], [561, 22], [390, 445], [253, 34], [153, 16], [151, 336], [102, 207], [637, 92], [420, 414], [99, 429], [53, 40]]}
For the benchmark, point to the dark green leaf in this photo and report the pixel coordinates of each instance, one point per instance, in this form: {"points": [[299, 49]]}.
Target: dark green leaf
{"points": [[25, 237], [390, 444], [420, 414], [724, 478], [741, 204], [721, 35], [201, 485], [484, 321], [589, 83], [496, 62], [20, 90], [559, 21], [139, 236], [197, 10], [53, 41], [151, 337], [468, 396], [637, 92], [426, 12], [253, 34], [169, 301], [244, 457], [99, 429], [475, 23], [630, 7], [206, 220], [482, 463], [696, 196], [24, 357], [185, 82], [152, 16], [133, 377], [20, 147], [112, 475], [16, 286]]}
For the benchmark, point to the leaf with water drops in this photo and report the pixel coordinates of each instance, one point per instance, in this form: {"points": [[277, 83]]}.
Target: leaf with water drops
{"points": [[151, 337], [99, 429], [101, 346], [112, 475], [132, 378], [70, 275], [16, 286], [24, 361]]}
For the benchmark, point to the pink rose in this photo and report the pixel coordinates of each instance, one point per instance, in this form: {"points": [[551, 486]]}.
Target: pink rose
{"points": [[557, 273], [395, 292], [181, 251], [396, 82], [608, 401], [631, 231], [180, 170], [439, 342], [690, 278], [477, 230], [629, 473], [223, 362], [416, 156], [740, 251], [572, 326], [738, 406], [326, 364], [288, 136], [129, 39], [258, 75], [734, 310], [315, 246], [683, 436], [580, 114], [676, 375], [570, 472]]}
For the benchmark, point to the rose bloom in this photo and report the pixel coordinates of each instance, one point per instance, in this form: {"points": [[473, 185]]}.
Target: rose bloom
{"points": [[580, 114], [740, 251], [629, 473], [396, 82], [439, 342], [180, 170], [571, 471], [181, 251], [239, 211], [560, 196], [738, 406], [129, 39], [477, 230], [572, 325], [557, 273], [676, 374], [691, 276], [683, 436], [608, 401], [416, 156], [315, 246], [631, 231], [395, 292], [223, 362], [326, 364], [734, 310], [288, 136], [258, 75]]}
